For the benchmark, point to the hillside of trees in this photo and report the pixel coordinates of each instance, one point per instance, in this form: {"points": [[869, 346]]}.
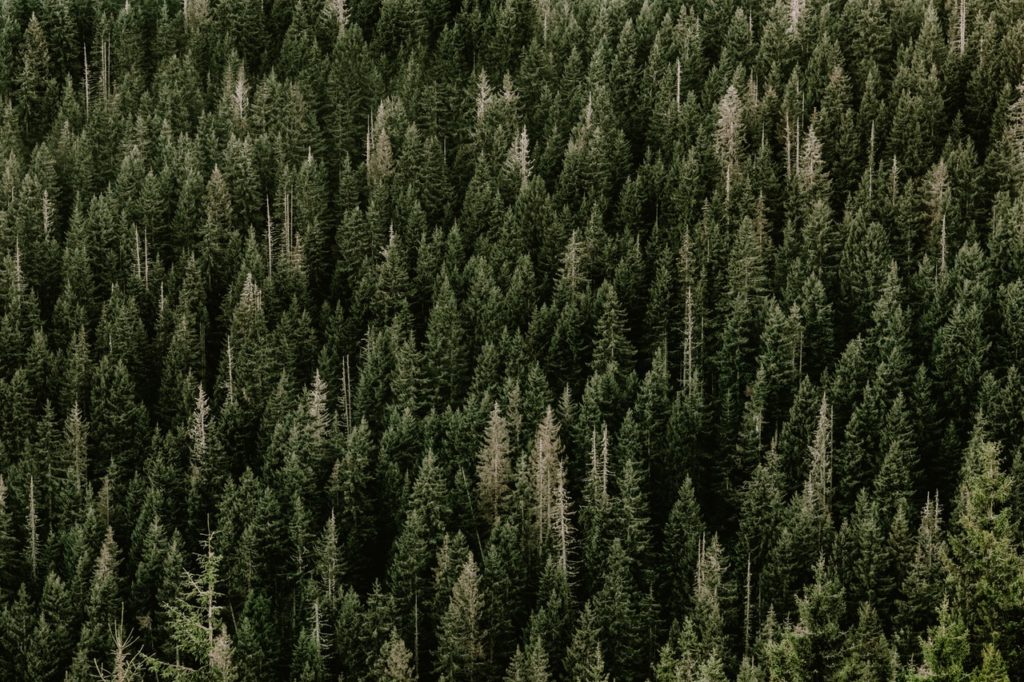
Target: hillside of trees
{"points": [[513, 340]]}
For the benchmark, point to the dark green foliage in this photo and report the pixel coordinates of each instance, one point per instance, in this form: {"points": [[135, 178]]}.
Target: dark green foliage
{"points": [[523, 340], [461, 654]]}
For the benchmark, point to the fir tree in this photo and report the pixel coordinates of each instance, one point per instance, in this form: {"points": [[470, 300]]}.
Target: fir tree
{"points": [[982, 529], [460, 653], [196, 625], [493, 465]]}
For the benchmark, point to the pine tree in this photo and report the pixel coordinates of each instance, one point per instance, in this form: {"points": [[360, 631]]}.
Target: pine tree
{"points": [[125, 665], [624, 616], [119, 420], [504, 583], [529, 664], [993, 668], [101, 608], [493, 465], [8, 567], [32, 546], [351, 482], [460, 653], [897, 475], [255, 650], [761, 510], [728, 137], [818, 634], [867, 655], [196, 625], [584, 661], [986, 594], [549, 622], [927, 574], [960, 348], [546, 480], [1013, 135], [630, 517], [328, 563], [75, 454], [445, 351], [808, 529], [308, 663], [36, 86], [155, 552], [408, 573], [708, 616], [653, 412], [395, 661], [51, 643], [16, 621], [611, 346], [945, 651], [206, 469]]}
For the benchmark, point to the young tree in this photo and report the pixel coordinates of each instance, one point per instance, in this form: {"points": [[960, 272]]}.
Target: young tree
{"points": [[8, 567], [927, 576], [988, 579], [584, 661], [624, 615], [101, 609], [36, 87], [729, 136], [529, 664], [945, 652], [445, 347], [394, 664], [493, 467], [461, 654], [196, 626]]}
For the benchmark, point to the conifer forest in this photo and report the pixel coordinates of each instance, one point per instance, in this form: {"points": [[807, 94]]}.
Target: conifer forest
{"points": [[512, 340]]}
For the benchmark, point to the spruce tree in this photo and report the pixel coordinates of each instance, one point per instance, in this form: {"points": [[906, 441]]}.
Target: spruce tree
{"points": [[461, 654], [981, 528]]}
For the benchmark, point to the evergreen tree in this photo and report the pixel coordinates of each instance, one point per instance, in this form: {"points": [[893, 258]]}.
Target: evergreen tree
{"points": [[460, 653], [927, 575], [945, 651], [196, 625], [493, 465], [525, 340], [683, 533], [584, 660], [103, 597], [395, 661], [986, 593], [818, 636], [529, 664], [7, 539], [867, 654], [36, 86], [119, 421], [444, 349], [624, 616]]}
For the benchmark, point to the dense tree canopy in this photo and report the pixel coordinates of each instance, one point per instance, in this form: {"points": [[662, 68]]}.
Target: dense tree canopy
{"points": [[523, 340]]}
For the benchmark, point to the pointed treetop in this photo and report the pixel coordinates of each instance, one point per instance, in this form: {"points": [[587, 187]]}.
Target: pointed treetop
{"points": [[484, 96], [493, 466], [571, 262], [318, 400], [337, 11], [240, 92], [796, 10], [199, 423], [252, 297], [818, 486], [517, 161]]}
